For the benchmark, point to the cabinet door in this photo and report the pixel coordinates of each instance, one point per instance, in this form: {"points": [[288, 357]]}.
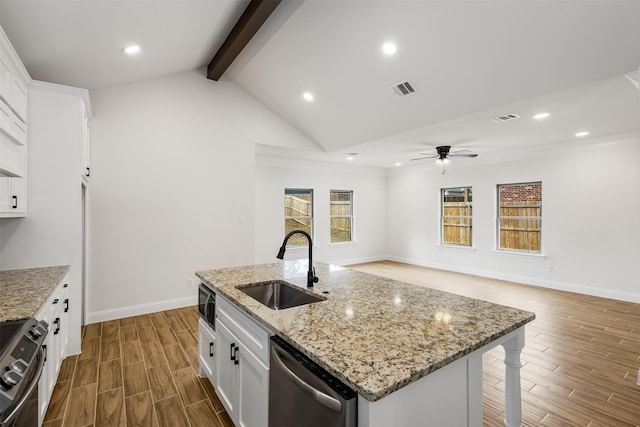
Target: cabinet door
{"points": [[253, 390], [43, 385], [206, 343], [226, 378], [65, 322], [12, 196]]}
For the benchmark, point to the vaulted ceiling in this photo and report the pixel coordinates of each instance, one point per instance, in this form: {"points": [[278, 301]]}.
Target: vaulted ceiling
{"points": [[469, 61]]}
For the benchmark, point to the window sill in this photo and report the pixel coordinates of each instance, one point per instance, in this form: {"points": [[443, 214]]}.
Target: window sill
{"points": [[515, 254], [457, 248], [338, 244]]}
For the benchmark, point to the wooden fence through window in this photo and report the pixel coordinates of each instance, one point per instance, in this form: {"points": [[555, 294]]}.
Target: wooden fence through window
{"points": [[522, 232]]}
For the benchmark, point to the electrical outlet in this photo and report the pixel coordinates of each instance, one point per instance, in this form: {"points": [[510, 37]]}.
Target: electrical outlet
{"points": [[550, 268], [638, 382], [189, 283]]}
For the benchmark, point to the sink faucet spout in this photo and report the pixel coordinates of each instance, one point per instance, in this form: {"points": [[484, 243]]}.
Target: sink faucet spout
{"points": [[311, 274]]}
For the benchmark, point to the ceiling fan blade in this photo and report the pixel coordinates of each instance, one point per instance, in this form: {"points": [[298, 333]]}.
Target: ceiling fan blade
{"points": [[422, 158], [458, 154], [429, 156]]}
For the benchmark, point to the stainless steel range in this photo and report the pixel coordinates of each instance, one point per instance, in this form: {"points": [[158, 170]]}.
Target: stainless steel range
{"points": [[21, 361]]}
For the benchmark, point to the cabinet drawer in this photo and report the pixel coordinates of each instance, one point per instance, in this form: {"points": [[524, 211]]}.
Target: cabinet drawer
{"points": [[48, 310], [252, 335]]}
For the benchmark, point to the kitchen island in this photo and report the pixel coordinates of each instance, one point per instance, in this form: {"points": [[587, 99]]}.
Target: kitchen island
{"points": [[413, 354]]}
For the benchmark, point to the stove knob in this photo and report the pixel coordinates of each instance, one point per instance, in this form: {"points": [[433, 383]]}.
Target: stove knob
{"points": [[36, 332], [10, 378], [18, 366]]}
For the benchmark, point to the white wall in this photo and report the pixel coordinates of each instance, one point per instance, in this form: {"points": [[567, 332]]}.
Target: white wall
{"points": [[591, 212], [51, 234], [369, 205], [172, 175]]}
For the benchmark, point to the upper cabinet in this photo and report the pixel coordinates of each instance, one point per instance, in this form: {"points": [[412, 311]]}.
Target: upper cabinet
{"points": [[14, 97]]}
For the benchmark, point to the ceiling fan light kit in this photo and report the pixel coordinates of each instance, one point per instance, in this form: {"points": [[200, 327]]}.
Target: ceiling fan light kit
{"points": [[443, 156]]}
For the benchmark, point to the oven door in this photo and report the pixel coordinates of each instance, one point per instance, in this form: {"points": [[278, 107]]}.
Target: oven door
{"points": [[24, 412], [207, 305]]}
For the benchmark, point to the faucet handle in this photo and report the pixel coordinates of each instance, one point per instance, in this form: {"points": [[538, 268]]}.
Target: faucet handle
{"points": [[315, 278]]}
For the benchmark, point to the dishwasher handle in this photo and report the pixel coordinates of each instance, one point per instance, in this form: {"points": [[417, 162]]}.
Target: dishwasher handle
{"points": [[322, 398]]}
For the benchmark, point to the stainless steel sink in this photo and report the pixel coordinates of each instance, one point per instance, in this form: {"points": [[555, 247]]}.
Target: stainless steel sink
{"points": [[278, 294]]}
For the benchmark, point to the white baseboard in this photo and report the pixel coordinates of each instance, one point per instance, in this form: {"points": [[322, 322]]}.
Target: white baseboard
{"points": [[542, 283], [136, 310]]}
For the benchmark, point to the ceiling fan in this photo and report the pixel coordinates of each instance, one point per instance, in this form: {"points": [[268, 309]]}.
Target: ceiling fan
{"points": [[443, 155]]}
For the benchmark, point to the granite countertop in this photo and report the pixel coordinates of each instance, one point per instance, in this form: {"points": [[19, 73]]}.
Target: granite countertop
{"points": [[375, 334], [24, 291]]}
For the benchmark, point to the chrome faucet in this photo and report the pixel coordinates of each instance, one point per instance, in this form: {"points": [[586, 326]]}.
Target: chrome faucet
{"points": [[311, 274]]}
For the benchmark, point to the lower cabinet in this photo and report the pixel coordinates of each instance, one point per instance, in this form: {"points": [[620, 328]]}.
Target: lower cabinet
{"points": [[206, 353], [56, 313], [241, 366]]}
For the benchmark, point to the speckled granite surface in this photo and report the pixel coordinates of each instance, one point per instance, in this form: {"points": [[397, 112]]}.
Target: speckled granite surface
{"points": [[375, 334], [24, 291]]}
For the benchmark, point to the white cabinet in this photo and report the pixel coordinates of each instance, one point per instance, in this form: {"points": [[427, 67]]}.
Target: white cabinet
{"points": [[13, 197], [241, 365], [206, 353], [56, 313], [13, 131]]}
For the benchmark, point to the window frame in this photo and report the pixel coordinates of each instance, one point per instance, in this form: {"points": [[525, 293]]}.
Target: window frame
{"points": [[498, 217], [310, 217], [350, 217], [469, 218]]}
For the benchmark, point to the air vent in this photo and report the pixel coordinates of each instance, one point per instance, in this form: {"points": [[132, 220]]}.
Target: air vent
{"points": [[504, 118], [403, 89]]}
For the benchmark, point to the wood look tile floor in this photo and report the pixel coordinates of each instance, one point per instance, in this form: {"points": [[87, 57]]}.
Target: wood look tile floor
{"points": [[580, 359], [137, 371], [581, 355]]}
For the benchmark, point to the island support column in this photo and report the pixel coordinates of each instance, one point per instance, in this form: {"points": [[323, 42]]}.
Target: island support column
{"points": [[512, 389]]}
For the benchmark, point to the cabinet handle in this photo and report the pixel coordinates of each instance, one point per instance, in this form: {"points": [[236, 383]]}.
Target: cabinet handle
{"points": [[88, 171], [235, 355], [57, 322], [210, 349], [231, 351], [44, 348], [55, 301], [15, 202], [65, 285], [66, 306]]}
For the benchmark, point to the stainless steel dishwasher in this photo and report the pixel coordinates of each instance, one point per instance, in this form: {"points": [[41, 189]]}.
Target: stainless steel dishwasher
{"points": [[301, 393]]}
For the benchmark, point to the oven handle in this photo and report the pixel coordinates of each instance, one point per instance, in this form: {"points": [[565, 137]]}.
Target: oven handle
{"points": [[320, 397], [25, 396]]}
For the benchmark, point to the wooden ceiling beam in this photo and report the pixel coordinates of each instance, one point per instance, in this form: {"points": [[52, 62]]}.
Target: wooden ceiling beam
{"points": [[256, 14]]}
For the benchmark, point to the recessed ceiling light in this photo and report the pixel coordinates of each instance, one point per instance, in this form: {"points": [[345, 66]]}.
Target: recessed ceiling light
{"points": [[350, 158], [582, 133], [132, 50], [396, 164], [389, 48], [541, 116], [308, 96]]}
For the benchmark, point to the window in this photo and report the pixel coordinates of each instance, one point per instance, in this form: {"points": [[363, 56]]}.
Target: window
{"points": [[455, 218], [520, 216], [298, 214], [341, 216]]}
